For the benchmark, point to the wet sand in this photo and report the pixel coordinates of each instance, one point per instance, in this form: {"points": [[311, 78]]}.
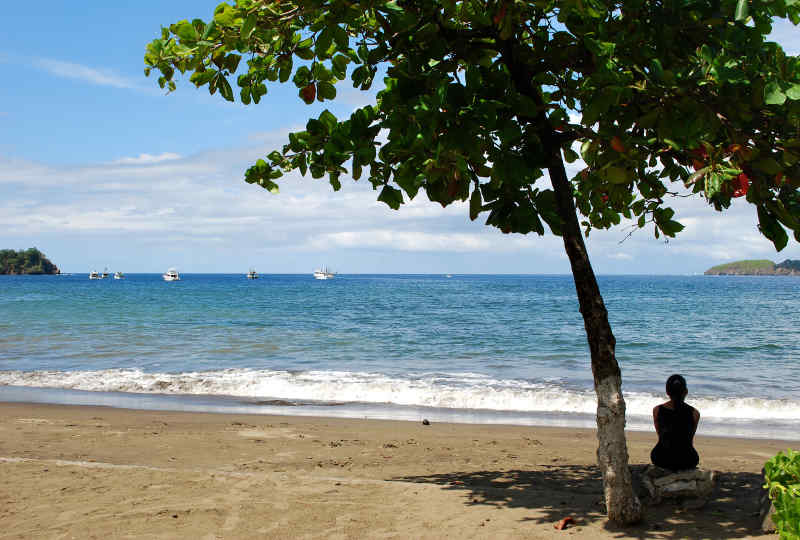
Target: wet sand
{"points": [[97, 472]]}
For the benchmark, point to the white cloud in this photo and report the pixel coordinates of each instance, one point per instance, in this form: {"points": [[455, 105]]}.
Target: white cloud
{"points": [[410, 241], [142, 159], [621, 256], [80, 72], [198, 212]]}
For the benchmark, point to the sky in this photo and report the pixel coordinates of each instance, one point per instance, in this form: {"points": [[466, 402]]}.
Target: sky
{"points": [[99, 168]]}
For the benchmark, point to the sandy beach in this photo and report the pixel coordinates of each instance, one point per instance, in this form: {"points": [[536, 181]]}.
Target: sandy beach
{"points": [[96, 472]]}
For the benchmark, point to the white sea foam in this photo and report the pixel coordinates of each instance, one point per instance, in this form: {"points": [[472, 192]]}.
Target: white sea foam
{"points": [[450, 391]]}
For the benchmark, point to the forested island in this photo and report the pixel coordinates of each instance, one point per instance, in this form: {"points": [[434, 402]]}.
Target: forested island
{"points": [[761, 267], [26, 261]]}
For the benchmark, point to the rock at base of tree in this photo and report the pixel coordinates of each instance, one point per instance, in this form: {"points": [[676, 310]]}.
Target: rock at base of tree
{"points": [[691, 488], [765, 509]]}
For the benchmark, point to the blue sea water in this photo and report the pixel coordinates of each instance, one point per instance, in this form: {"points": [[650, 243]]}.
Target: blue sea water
{"points": [[470, 348]]}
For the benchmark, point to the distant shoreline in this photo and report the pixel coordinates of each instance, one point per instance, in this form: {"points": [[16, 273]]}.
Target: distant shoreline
{"points": [[761, 267], [26, 262]]}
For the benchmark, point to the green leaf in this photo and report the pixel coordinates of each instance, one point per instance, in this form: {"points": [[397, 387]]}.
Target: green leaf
{"points": [[392, 6], [770, 228], [768, 165], [199, 78], [570, 155], [655, 68], [257, 91], [617, 175], [224, 88], [232, 62], [598, 106], [741, 10], [773, 94], [671, 228], [339, 66], [248, 26], [305, 54], [706, 54], [210, 27], [328, 120], [793, 92], [588, 151], [302, 77], [186, 31], [341, 38], [334, 181], [224, 15], [324, 40], [392, 197], [475, 204], [284, 71], [325, 90], [269, 185], [713, 184], [600, 48]]}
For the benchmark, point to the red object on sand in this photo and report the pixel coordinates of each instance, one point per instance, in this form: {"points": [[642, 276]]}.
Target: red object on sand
{"points": [[564, 523]]}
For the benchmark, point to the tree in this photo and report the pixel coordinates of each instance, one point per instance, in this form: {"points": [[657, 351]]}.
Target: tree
{"points": [[486, 100], [29, 261]]}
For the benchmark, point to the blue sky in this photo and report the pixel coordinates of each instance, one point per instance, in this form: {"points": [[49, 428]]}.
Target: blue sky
{"points": [[99, 168]]}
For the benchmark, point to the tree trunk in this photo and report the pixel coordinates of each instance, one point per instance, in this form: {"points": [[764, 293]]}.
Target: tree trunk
{"points": [[612, 452]]}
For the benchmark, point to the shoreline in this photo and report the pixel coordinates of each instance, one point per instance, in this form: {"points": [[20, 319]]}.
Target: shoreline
{"points": [[94, 471], [764, 429]]}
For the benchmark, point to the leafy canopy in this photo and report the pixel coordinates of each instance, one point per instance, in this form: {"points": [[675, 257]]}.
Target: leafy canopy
{"points": [[482, 97]]}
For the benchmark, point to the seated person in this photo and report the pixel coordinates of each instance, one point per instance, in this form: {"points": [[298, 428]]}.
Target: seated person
{"points": [[676, 424]]}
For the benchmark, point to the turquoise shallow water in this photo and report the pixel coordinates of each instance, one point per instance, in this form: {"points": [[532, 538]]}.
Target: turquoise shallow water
{"points": [[470, 348]]}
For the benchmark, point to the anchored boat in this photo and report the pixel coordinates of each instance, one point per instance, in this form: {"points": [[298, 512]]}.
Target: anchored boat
{"points": [[171, 275]]}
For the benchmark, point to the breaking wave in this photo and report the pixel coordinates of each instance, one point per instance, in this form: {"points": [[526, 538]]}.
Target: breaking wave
{"points": [[442, 390]]}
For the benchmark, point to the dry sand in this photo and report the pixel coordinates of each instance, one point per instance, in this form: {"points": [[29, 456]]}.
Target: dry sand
{"points": [[95, 472]]}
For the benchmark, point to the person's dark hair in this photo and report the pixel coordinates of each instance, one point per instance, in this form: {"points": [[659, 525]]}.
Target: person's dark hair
{"points": [[676, 388]]}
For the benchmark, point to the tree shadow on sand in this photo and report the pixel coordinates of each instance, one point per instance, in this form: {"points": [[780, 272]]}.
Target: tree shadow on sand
{"points": [[558, 491]]}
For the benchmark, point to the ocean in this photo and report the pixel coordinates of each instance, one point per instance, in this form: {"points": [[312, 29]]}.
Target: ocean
{"points": [[505, 349]]}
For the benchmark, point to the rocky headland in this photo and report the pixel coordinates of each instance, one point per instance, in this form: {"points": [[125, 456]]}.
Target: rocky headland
{"points": [[26, 261], [756, 268]]}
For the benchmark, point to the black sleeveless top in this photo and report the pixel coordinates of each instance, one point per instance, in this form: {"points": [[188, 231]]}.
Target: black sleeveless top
{"points": [[674, 450]]}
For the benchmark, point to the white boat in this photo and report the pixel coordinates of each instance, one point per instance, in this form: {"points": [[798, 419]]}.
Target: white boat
{"points": [[252, 274], [94, 275], [104, 275], [323, 273], [171, 275], [119, 275]]}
